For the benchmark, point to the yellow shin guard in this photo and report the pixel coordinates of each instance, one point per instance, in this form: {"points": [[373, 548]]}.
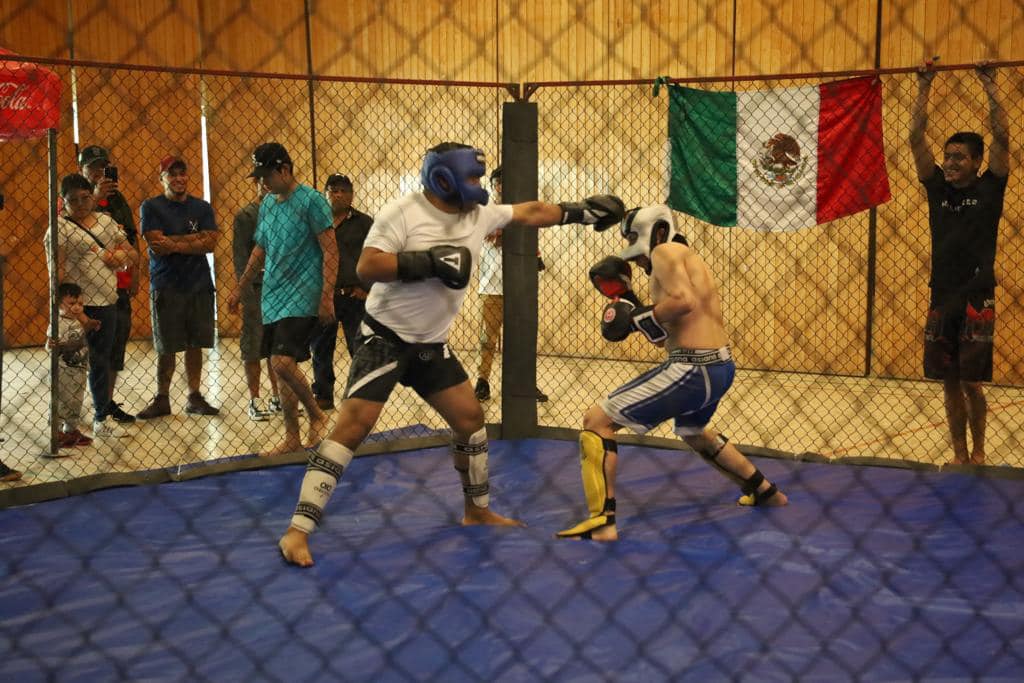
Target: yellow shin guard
{"points": [[595, 487]]}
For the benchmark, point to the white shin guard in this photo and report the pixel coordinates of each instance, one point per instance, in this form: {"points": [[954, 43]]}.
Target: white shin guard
{"points": [[470, 459], [323, 471]]}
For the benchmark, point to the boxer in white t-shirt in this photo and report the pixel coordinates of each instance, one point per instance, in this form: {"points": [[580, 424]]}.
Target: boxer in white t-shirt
{"points": [[419, 256]]}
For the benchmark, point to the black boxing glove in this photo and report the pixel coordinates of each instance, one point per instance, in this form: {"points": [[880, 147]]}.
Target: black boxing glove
{"points": [[451, 265], [621, 318], [613, 277], [602, 211]]}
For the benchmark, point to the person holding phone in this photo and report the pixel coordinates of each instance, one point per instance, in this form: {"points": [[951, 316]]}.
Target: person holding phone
{"points": [[94, 163]]}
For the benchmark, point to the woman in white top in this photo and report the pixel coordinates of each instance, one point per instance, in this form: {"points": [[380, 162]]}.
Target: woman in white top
{"points": [[91, 248]]}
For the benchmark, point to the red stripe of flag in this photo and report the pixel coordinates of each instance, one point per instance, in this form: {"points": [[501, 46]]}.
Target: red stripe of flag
{"points": [[851, 159]]}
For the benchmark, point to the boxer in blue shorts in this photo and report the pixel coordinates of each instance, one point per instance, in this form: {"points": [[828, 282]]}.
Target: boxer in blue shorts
{"points": [[686, 318]]}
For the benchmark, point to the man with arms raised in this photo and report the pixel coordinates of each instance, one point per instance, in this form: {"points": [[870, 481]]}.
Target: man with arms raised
{"points": [[686, 318], [419, 256], [964, 209]]}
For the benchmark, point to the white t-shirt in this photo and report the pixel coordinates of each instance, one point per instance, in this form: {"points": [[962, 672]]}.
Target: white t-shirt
{"points": [[490, 269], [422, 312], [82, 262], [70, 330]]}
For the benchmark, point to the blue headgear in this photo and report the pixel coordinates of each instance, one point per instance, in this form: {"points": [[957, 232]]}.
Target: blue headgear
{"points": [[454, 168]]}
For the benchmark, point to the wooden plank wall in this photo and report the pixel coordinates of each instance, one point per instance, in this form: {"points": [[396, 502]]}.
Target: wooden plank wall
{"points": [[593, 138]]}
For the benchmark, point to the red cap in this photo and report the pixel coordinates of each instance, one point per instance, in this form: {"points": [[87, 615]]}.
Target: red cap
{"points": [[170, 161]]}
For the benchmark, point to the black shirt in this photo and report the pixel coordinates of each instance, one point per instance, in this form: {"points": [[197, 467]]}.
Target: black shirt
{"points": [[350, 234], [964, 226], [116, 206]]}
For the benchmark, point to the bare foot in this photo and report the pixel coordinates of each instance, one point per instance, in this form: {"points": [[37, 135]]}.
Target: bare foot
{"points": [[318, 428], [476, 515], [294, 546], [957, 460], [289, 445], [10, 475], [977, 458]]}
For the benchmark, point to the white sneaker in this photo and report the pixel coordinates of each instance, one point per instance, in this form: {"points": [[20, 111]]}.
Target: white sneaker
{"points": [[108, 429], [256, 411], [274, 407]]}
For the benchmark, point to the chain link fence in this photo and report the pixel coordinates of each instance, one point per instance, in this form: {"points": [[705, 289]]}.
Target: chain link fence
{"points": [[826, 325], [213, 123]]}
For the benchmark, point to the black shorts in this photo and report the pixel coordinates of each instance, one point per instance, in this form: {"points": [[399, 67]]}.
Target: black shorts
{"points": [[181, 320], [382, 360], [958, 340], [288, 337]]}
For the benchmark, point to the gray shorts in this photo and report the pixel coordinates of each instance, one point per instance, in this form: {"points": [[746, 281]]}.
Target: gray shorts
{"points": [[181, 320], [252, 325]]}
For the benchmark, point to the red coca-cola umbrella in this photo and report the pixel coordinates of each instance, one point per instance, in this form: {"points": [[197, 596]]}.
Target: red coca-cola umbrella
{"points": [[29, 98]]}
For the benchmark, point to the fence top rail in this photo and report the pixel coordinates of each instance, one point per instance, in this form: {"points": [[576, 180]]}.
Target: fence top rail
{"points": [[532, 86], [196, 71]]}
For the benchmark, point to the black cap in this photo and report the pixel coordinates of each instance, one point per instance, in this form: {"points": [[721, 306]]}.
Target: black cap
{"points": [[496, 174], [338, 179], [267, 158], [91, 154]]}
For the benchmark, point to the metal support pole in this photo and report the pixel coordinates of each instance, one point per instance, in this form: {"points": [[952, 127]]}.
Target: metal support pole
{"points": [[519, 264], [51, 140]]}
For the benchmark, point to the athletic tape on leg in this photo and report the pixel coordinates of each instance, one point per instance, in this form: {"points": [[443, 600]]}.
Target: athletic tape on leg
{"points": [[751, 495], [323, 470], [470, 460], [748, 485]]}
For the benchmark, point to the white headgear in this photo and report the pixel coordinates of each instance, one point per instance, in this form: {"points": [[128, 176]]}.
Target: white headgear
{"points": [[641, 227]]}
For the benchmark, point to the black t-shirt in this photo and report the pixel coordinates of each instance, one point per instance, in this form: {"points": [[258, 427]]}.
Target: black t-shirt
{"points": [[116, 206], [350, 234], [964, 225]]}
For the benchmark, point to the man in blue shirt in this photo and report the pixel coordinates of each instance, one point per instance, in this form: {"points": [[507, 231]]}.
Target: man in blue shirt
{"points": [[296, 249], [180, 231]]}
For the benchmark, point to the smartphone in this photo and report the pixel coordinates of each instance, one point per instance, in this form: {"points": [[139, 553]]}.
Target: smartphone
{"points": [[110, 172]]}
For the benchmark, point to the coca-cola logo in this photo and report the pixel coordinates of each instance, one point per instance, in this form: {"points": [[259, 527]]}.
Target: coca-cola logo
{"points": [[14, 96]]}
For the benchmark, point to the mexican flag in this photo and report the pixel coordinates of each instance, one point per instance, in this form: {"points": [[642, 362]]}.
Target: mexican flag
{"points": [[781, 159]]}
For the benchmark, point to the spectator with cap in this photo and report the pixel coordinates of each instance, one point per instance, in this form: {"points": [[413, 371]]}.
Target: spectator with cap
{"points": [[492, 302], [94, 163], [250, 341], [350, 229], [180, 230], [296, 251]]}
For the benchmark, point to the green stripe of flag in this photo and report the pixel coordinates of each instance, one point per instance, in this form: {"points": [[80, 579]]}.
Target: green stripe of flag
{"points": [[702, 133]]}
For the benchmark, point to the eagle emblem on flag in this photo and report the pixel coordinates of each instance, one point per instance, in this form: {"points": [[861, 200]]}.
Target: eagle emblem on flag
{"points": [[780, 162]]}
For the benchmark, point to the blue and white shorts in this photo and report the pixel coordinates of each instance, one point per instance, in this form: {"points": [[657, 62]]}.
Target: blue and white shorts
{"points": [[687, 387]]}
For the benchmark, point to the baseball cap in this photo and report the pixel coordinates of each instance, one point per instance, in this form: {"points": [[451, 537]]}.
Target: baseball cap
{"points": [[338, 179], [267, 157], [496, 174], [91, 154], [170, 161]]}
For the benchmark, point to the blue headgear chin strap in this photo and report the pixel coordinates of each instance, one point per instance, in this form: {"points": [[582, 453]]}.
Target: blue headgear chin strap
{"points": [[445, 174]]}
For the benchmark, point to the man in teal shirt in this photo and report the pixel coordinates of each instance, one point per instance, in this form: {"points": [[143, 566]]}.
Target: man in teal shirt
{"points": [[296, 250]]}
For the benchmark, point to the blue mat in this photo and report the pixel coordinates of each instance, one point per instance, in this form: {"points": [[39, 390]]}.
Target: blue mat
{"points": [[870, 573]]}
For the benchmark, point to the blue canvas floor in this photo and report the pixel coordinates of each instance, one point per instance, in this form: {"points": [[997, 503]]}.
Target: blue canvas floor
{"points": [[870, 573]]}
